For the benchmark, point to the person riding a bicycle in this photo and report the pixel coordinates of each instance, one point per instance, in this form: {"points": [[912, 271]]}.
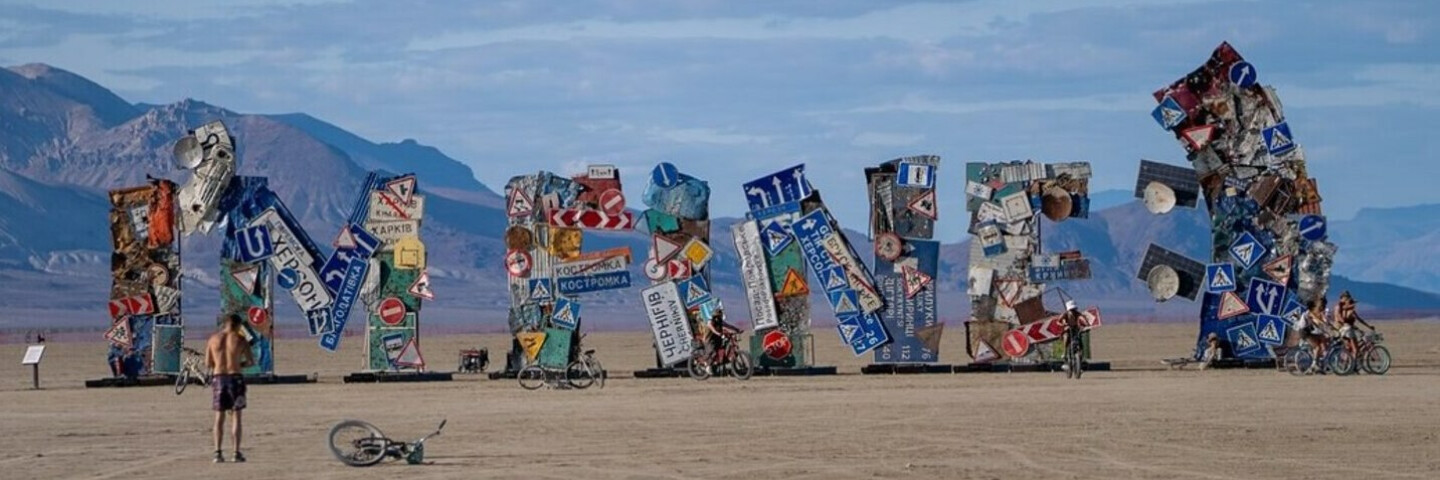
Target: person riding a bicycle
{"points": [[1311, 326], [716, 331], [1071, 317], [1345, 318]]}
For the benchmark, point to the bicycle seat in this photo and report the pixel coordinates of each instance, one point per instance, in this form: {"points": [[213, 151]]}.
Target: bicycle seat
{"points": [[590, 352]]}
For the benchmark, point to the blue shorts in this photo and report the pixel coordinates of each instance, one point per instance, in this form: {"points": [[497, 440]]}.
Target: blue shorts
{"points": [[228, 392]]}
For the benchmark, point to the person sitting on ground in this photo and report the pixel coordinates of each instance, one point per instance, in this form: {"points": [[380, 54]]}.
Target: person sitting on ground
{"points": [[1215, 349], [227, 354], [1345, 318]]}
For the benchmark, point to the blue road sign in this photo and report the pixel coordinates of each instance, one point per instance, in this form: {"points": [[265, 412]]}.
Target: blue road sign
{"points": [[775, 211], [775, 238], [345, 299], [1312, 227], [862, 332], [787, 185], [1219, 277], [1244, 340], [1242, 74], [1265, 297], [665, 175], [903, 316], [287, 278], [1270, 330], [845, 302], [567, 313], [318, 321], [1293, 308], [915, 175], [541, 289], [693, 290], [1247, 250], [366, 243], [1168, 113], [1278, 139], [593, 283], [255, 243], [333, 273], [810, 230]]}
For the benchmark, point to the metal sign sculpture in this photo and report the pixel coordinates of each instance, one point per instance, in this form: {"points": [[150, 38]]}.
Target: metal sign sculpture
{"points": [[1269, 257], [546, 267], [678, 263], [384, 268], [146, 327], [1008, 268], [903, 212]]}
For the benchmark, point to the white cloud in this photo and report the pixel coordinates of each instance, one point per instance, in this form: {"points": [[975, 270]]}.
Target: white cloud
{"points": [[707, 135]]}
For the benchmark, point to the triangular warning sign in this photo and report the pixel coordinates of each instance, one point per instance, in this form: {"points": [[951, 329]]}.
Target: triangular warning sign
{"points": [[1270, 333], [695, 292], [1009, 290], [246, 279], [775, 238], [1221, 280], [531, 342], [1243, 252], [520, 204], [345, 240], [836, 279], [1199, 137], [844, 305], [1172, 116], [847, 331], [1232, 306], [1244, 342], [564, 315], [402, 189], [410, 356], [1278, 140], [915, 280], [985, 353], [421, 287], [119, 333], [1279, 269], [930, 336], [794, 284], [663, 248], [925, 205]]}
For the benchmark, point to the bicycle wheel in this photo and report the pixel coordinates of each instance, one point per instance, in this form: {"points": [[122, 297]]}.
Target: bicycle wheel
{"points": [[579, 375], [599, 372], [1076, 368], [1377, 360], [1340, 361], [697, 367], [531, 377], [741, 367], [182, 380], [357, 443], [1301, 360]]}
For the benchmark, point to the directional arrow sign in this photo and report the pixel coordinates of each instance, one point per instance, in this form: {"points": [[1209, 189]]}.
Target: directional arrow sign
{"points": [[1266, 297], [591, 219]]}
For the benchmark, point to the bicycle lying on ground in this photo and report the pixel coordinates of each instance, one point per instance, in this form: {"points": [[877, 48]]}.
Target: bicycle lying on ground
{"points": [[728, 357], [191, 367], [357, 443]]}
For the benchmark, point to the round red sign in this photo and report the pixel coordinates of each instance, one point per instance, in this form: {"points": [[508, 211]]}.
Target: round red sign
{"points": [[392, 311], [612, 202], [776, 345], [258, 316], [1016, 343], [517, 263]]}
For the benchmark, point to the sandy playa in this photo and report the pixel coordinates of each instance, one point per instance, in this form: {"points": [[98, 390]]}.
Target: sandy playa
{"points": [[1138, 422]]}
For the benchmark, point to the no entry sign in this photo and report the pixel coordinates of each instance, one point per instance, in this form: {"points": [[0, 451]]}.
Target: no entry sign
{"points": [[392, 311]]}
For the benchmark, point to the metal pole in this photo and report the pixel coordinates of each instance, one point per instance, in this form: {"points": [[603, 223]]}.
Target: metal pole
{"points": [[35, 374]]}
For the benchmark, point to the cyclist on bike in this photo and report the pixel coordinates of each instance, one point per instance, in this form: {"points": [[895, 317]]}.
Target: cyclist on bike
{"points": [[1311, 326], [715, 331], [1071, 318], [1345, 318]]}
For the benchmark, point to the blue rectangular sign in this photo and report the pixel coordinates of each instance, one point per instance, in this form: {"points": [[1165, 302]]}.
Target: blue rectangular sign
{"points": [[788, 185], [862, 332], [810, 230], [593, 283], [255, 243], [904, 317], [776, 210], [344, 300]]}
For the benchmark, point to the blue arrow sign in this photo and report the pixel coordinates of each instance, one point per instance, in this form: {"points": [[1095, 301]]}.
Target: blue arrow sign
{"points": [[1242, 74], [345, 299], [665, 175], [787, 185], [1312, 227], [1265, 297], [255, 243], [287, 278]]}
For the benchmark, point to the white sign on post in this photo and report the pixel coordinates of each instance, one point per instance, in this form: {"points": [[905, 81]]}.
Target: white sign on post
{"points": [[758, 289], [33, 354], [673, 338]]}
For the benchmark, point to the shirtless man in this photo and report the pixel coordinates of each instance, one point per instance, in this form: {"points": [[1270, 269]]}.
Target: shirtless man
{"points": [[226, 354]]}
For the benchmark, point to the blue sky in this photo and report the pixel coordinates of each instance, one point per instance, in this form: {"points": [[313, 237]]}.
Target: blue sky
{"points": [[731, 90]]}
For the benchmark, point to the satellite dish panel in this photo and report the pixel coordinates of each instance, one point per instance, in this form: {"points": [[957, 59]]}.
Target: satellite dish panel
{"points": [[1056, 204], [1159, 198], [1164, 283], [188, 153]]}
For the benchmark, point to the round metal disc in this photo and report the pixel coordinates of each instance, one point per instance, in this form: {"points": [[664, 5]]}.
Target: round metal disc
{"points": [[888, 246], [1056, 204], [1164, 283], [519, 238], [1159, 198], [188, 153]]}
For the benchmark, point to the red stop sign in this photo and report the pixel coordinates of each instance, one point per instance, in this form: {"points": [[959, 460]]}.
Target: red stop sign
{"points": [[776, 345]]}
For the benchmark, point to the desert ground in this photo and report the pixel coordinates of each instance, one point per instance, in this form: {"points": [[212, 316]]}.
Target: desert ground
{"points": [[1139, 421]]}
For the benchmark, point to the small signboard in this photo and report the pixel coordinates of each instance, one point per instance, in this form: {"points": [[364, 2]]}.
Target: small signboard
{"points": [[33, 354]]}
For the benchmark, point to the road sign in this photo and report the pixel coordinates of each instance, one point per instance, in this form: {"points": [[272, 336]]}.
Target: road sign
{"points": [[1279, 269], [775, 237], [1219, 277], [697, 252], [255, 243], [776, 345], [1278, 140], [138, 304], [540, 289], [602, 172], [694, 291], [1168, 113], [984, 353], [655, 271], [1199, 137], [421, 287], [915, 280], [520, 204], [246, 278], [612, 202], [391, 311], [345, 298], [678, 268], [910, 174], [794, 285], [784, 211], [668, 322], [1077, 269], [1244, 339], [1270, 330], [863, 332], [386, 208], [888, 246], [810, 230], [364, 242], [1015, 343], [788, 185], [119, 332], [1247, 250], [410, 355], [409, 253], [844, 302], [909, 315], [595, 265], [518, 263], [33, 354], [662, 248], [1265, 297], [287, 278], [593, 282], [925, 205], [756, 275], [591, 219], [257, 316], [665, 175], [391, 232], [1312, 227], [401, 189], [318, 321], [1242, 74], [566, 314], [1231, 306]]}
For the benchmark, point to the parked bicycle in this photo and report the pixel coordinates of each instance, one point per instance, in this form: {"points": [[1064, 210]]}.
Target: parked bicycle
{"points": [[357, 443], [586, 370], [1334, 358], [192, 367], [579, 374], [1371, 355], [728, 358]]}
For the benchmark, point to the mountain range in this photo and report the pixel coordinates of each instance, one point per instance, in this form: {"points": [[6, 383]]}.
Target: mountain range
{"points": [[65, 141]]}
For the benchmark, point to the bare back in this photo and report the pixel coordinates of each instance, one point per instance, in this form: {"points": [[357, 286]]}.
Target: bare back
{"points": [[227, 353]]}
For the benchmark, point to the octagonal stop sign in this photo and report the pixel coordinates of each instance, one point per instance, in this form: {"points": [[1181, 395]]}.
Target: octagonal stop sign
{"points": [[776, 345]]}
